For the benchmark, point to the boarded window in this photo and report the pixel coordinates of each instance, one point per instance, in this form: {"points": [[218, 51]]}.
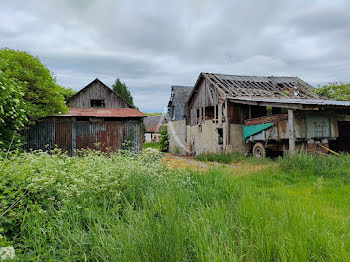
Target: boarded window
{"points": [[97, 103]]}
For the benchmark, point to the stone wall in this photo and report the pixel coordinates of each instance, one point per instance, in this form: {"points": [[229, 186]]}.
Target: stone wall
{"points": [[177, 137], [205, 139]]}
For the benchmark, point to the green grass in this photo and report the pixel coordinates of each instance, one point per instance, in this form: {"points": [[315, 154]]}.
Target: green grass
{"points": [[133, 208], [155, 145], [153, 114]]}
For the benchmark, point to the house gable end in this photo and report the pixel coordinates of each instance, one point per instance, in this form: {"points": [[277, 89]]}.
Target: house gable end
{"points": [[97, 91]]}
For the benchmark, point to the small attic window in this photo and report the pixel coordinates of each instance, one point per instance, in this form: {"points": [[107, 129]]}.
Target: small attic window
{"points": [[97, 103]]}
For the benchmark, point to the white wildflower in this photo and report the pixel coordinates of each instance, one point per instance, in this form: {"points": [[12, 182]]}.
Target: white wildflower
{"points": [[7, 253]]}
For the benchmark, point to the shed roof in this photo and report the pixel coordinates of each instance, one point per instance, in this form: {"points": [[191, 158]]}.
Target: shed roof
{"points": [[303, 104], [154, 123], [259, 86], [103, 112]]}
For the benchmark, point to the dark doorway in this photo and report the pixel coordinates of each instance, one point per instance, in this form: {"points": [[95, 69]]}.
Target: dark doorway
{"points": [[342, 143]]}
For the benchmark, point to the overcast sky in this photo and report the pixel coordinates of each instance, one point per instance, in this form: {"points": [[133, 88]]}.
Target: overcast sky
{"points": [[152, 45]]}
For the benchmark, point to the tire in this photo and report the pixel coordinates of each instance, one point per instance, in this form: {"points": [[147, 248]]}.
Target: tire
{"points": [[259, 151]]}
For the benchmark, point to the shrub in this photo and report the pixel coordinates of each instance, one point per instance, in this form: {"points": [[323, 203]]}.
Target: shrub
{"points": [[164, 139]]}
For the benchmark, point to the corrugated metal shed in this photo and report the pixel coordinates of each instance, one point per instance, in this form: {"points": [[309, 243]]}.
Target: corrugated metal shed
{"points": [[74, 135], [106, 127]]}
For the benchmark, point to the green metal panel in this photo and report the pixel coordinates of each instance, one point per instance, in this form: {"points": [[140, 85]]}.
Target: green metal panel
{"points": [[318, 127], [254, 129]]}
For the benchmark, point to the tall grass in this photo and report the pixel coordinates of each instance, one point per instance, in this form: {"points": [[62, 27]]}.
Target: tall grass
{"points": [[229, 158], [133, 208], [154, 145]]}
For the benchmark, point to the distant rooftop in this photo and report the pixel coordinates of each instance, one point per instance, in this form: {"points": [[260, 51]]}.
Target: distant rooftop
{"points": [[154, 123]]}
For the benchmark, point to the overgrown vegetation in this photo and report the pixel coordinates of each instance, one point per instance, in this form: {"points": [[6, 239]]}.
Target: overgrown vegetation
{"points": [[125, 207], [40, 91], [28, 92], [12, 111], [164, 139]]}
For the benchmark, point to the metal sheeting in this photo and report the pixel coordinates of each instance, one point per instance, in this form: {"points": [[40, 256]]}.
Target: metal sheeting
{"points": [[317, 102], [42, 136], [72, 135]]}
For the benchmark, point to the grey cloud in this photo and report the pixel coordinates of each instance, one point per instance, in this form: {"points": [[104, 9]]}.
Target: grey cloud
{"points": [[154, 45]]}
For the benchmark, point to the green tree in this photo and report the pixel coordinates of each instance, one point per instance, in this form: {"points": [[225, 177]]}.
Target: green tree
{"points": [[122, 90], [12, 111], [67, 93], [42, 95], [335, 91]]}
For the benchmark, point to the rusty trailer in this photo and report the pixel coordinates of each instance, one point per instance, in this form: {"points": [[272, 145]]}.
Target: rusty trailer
{"points": [[271, 133]]}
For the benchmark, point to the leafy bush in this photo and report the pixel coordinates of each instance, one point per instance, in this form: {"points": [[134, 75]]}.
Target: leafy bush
{"points": [[12, 111], [40, 91], [164, 139], [28, 92]]}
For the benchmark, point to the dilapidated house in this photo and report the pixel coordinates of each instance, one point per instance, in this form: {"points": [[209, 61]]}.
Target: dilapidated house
{"points": [[177, 118], [154, 125], [229, 113], [98, 118]]}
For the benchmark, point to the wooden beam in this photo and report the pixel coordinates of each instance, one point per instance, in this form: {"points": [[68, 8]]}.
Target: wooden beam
{"points": [[220, 114], [291, 133], [227, 123]]}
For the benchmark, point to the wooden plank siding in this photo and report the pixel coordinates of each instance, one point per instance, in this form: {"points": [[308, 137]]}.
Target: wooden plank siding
{"points": [[206, 96], [96, 90]]}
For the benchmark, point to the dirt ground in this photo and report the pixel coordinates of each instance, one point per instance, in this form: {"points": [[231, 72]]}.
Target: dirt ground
{"points": [[241, 168]]}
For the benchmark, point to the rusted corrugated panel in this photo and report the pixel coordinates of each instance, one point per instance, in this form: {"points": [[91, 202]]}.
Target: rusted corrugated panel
{"points": [[113, 137], [63, 136], [69, 136], [40, 136], [265, 119], [103, 112]]}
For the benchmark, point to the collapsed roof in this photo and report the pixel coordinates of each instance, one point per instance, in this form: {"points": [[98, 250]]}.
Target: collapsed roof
{"points": [[259, 86]]}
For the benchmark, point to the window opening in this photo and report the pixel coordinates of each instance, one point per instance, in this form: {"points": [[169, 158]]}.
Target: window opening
{"points": [[220, 136], [97, 103]]}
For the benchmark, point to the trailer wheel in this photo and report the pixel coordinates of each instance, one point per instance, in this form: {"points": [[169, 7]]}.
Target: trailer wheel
{"points": [[259, 151]]}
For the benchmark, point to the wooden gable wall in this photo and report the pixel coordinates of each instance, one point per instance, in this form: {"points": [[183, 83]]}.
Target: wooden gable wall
{"points": [[96, 90]]}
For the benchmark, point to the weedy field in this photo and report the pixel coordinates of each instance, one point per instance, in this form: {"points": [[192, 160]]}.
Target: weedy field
{"points": [[124, 207]]}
